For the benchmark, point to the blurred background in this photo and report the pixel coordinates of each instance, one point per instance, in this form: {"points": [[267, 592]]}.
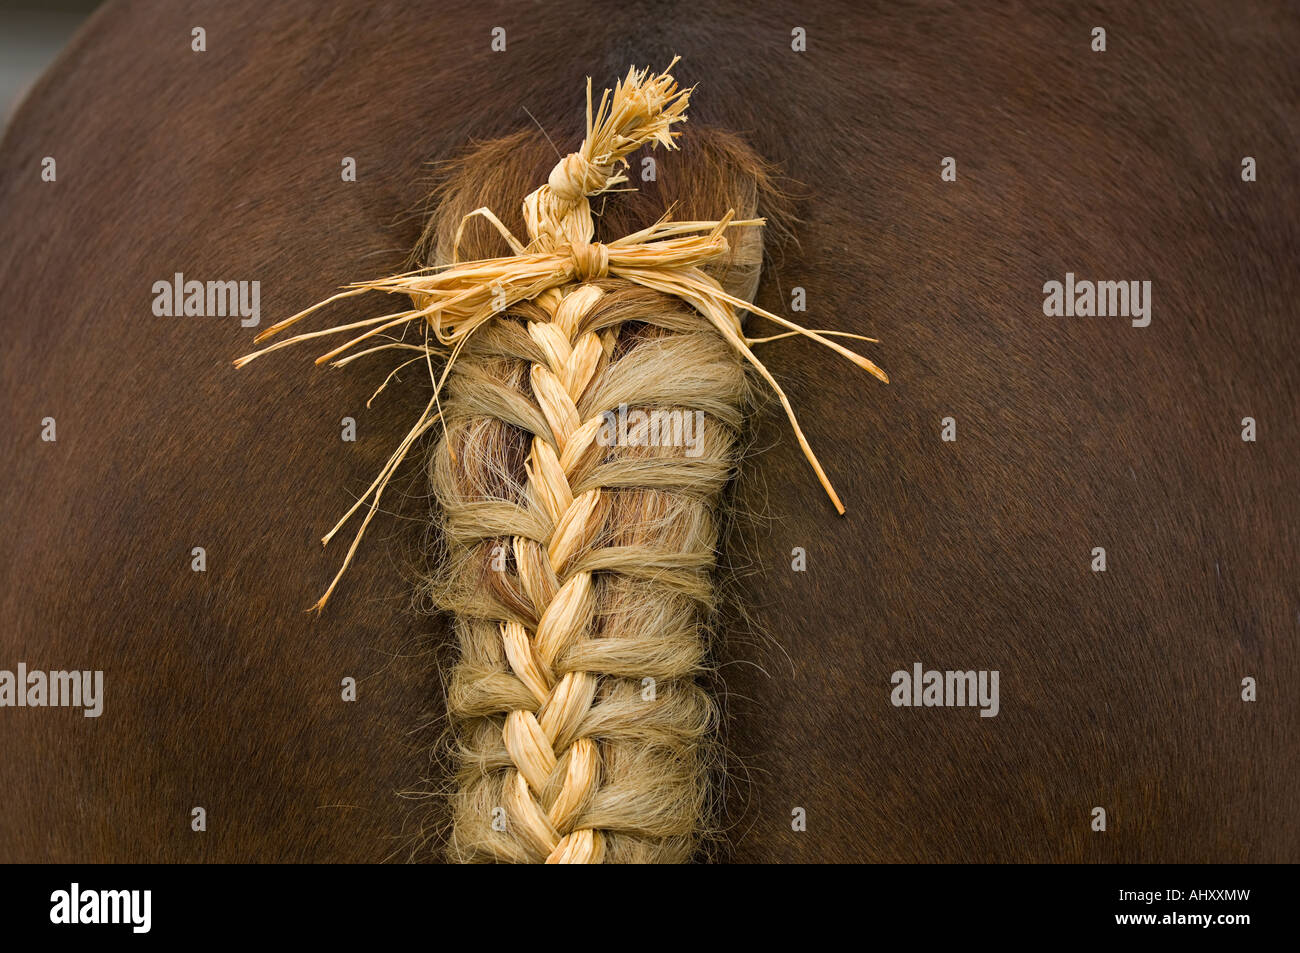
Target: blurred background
{"points": [[32, 32]]}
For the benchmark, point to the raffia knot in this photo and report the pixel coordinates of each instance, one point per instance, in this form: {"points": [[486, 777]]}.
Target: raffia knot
{"points": [[459, 297], [574, 178], [590, 260]]}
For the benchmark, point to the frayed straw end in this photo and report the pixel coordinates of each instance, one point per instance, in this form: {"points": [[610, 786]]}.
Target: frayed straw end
{"points": [[870, 368]]}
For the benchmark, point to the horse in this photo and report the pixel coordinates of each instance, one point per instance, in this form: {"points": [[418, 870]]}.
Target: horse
{"points": [[1103, 514]]}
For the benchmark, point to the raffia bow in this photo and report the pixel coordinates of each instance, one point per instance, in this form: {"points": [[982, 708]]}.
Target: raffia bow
{"points": [[455, 299]]}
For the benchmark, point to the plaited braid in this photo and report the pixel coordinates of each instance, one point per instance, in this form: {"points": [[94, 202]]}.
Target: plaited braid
{"points": [[581, 719], [578, 571]]}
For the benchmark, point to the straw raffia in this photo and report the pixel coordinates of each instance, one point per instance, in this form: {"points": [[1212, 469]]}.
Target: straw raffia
{"points": [[455, 300]]}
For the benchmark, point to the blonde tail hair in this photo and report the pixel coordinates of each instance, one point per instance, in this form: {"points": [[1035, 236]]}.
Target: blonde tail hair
{"points": [[590, 403]]}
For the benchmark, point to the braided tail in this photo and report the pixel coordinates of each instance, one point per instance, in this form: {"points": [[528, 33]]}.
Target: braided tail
{"points": [[590, 401], [579, 575]]}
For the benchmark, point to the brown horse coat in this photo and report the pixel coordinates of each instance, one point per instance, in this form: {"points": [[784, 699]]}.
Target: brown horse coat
{"points": [[1119, 689]]}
